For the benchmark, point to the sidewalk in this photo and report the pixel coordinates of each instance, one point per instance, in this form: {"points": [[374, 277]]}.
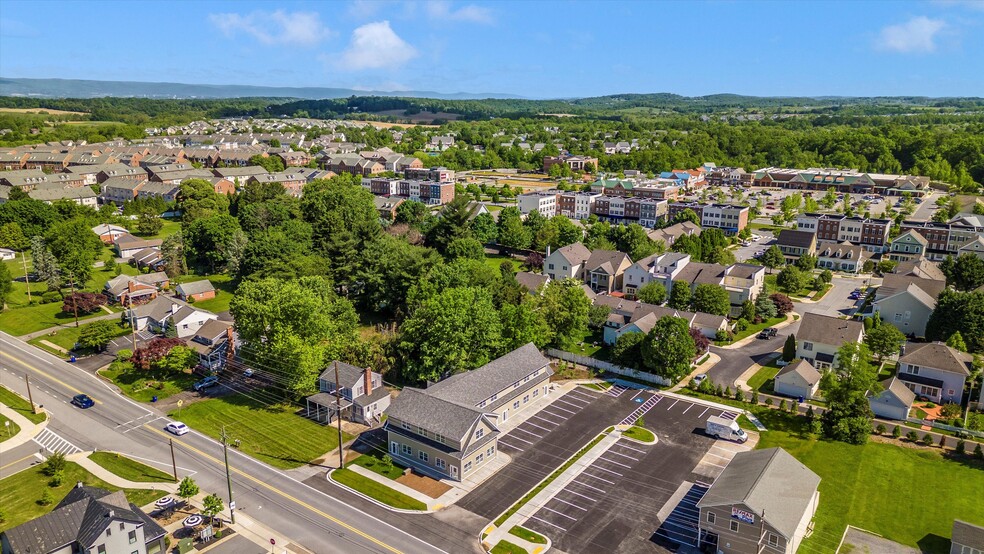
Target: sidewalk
{"points": [[28, 430], [560, 483], [57, 328]]}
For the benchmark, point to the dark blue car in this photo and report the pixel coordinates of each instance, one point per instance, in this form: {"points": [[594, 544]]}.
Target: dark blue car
{"points": [[83, 401]]}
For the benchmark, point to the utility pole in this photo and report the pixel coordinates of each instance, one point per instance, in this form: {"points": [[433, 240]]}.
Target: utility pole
{"points": [[338, 415], [133, 326], [27, 276], [225, 453], [30, 398], [75, 300], [174, 466]]}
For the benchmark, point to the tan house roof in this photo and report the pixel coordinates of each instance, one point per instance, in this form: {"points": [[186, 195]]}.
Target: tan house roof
{"points": [[824, 329]]}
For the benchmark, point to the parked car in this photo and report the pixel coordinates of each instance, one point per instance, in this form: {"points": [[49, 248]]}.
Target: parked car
{"points": [[83, 401], [248, 372], [177, 428], [767, 334], [698, 379], [207, 382]]}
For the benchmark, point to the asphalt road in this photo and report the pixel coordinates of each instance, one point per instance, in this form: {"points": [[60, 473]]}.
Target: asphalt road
{"points": [[315, 520]]}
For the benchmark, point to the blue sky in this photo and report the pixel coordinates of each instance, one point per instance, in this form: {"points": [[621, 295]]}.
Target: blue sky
{"points": [[533, 49]]}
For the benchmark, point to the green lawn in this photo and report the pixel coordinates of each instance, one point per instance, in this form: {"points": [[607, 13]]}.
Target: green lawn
{"points": [[20, 492], [170, 227], [142, 385], [771, 287], [225, 288], [753, 329], [495, 260], [526, 534], [376, 490], [67, 337], [23, 407], [128, 469], [906, 495], [639, 434], [764, 378], [276, 433], [374, 463], [600, 387], [506, 547], [591, 344], [8, 429]]}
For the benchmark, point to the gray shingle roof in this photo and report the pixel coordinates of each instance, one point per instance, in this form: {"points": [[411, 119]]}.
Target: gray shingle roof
{"points": [[824, 329], [968, 534], [531, 281], [770, 481], [608, 261], [347, 373], [893, 284], [437, 415], [196, 287], [795, 238], [897, 388], [804, 369], [575, 253], [938, 356], [472, 387]]}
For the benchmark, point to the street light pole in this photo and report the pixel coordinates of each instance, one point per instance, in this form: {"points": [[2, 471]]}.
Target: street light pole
{"points": [[225, 453], [338, 415]]}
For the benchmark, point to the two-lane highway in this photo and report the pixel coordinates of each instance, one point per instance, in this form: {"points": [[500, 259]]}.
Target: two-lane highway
{"points": [[309, 517]]}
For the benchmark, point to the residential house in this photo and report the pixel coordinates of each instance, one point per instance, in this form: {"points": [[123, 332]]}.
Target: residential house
{"points": [[163, 312], [763, 501], [742, 281], [630, 316], [135, 289], [91, 520], [935, 371], [974, 248], [566, 262], [796, 244], [213, 342], [923, 268], [662, 268], [604, 268], [386, 206], [872, 234], [907, 301], [946, 239], [127, 245], [798, 380], [53, 192], [185, 322], [7, 254], [240, 175], [28, 179], [892, 402], [907, 247], [449, 430], [292, 181], [195, 290], [119, 190], [420, 173], [295, 159], [362, 394], [843, 256], [532, 281], [966, 538], [669, 234], [820, 336], [109, 233], [148, 258], [167, 192]]}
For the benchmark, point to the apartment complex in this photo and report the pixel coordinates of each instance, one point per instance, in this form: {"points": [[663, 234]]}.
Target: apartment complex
{"points": [[660, 189], [841, 180], [869, 233], [728, 217], [946, 239], [434, 193], [648, 212]]}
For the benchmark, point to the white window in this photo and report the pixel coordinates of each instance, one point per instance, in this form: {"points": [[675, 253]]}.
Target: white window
{"points": [[406, 449], [494, 397], [467, 468], [394, 447], [516, 405], [440, 463], [536, 392], [898, 317], [132, 536], [405, 425], [734, 526], [491, 451], [808, 346], [773, 540], [526, 399], [423, 456], [479, 433], [913, 369], [480, 458]]}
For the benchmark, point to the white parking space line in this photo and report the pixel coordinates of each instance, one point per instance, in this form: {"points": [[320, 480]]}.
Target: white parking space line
{"points": [[608, 470], [562, 409], [602, 491], [598, 478], [623, 455], [530, 423], [671, 405], [579, 401], [541, 418], [559, 513], [551, 414], [688, 408], [511, 437], [571, 404], [548, 523], [636, 394], [579, 494], [581, 395], [630, 448], [704, 412], [614, 462], [509, 445], [570, 504]]}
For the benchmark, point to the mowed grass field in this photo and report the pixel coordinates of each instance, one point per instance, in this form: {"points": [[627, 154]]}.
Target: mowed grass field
{"points": [[907, 495], [276, 433]]}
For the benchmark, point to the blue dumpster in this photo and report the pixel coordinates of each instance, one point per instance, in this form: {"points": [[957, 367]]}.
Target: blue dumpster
{"points": [[71, 359]]}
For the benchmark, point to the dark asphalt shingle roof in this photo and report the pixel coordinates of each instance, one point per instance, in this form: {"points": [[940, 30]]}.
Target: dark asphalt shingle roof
{"points": [[472, 387], [968, 534], [824, 329], [347, 373], [937, 355], [437, 415]]}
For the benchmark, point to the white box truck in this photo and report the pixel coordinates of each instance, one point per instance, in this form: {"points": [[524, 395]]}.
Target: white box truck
{"points": [[724, 428]]}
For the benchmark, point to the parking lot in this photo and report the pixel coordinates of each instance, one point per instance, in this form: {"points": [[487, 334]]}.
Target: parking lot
{"points": [[613, 505], [534, 429]]}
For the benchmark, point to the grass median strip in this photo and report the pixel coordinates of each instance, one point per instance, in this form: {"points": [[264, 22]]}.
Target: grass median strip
{"points": [[128, 469], [639, 433], [13, 401], [527, 535], [376, 490], [506, 547], [522, 501]]}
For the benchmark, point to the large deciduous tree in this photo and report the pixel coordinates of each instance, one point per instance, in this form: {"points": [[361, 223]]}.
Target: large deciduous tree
{"points": [[565, 309], [197, 199], [958, 311], [711, 299], [791, 279], [965, 273], [884, 341], [845, 389], [215, 243], [96, 335], [773, 258], [680, 296], [344, 221], [652, 292], [84, 302], [75, 247], [668, 348]]}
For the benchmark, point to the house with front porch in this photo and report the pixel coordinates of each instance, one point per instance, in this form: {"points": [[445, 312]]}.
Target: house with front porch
{"points": [[603, 270], [935, 371], [842, 256], [212, 342], [820, 336], [566, 262], [363, 396], [907, 247], [449, 429], [795, 244]]}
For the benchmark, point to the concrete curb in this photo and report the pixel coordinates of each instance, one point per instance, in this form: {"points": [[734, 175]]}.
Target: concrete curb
{"points": [[745, 341], [373, 500]]}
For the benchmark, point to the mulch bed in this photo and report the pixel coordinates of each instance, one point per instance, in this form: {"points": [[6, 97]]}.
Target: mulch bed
{"points": [[431, 487]]}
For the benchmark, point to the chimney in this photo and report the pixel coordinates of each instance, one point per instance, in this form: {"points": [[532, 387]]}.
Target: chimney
{"points": [[548, 251], [111, 513], [367, 379]]}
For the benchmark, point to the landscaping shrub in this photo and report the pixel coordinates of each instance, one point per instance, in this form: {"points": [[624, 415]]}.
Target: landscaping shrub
{"points": [[727, 392], [46, 498], [768, 402], [741, 325], [880, 429], [912, 436], [927, 439], [739, 395], [57, 479], [897, 432], [978, 453], [54, 464], [51, 296], [942, 441], [755, 397], [961, 447], [950, 410]]}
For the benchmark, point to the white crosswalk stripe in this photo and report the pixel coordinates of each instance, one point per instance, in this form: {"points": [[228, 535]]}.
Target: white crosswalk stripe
{"points": [[50, 441]]}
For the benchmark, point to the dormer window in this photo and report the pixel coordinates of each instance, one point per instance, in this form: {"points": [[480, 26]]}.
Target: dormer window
{"points": [[479, 433]]}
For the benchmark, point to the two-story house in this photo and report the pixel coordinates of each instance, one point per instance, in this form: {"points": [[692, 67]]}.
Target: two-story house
{"points": [[662, 268], [935, 371], [449, 430], [907, 301], [603, 270], [566, 262], [363, 395], [212, 342], [907, 247], [794, 244], [843, 256], [763, 501], [90, 520], [820, 336]]}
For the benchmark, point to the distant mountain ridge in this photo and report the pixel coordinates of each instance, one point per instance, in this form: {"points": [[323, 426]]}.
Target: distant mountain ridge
{"points": [[78, 88]]}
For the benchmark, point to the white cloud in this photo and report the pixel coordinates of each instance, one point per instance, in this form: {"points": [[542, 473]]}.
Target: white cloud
{"points": [[279, 27], [442, 10], [916, 35], [374, 46]]}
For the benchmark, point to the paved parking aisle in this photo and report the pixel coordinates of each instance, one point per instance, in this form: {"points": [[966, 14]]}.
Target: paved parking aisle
{"points": [[548, 419]]}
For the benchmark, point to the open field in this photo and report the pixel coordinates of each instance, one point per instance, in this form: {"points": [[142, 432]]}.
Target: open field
{"points": [[11, 400], [420, 116], [389, 125], [131, 470], [137, 384], [40, 110]]}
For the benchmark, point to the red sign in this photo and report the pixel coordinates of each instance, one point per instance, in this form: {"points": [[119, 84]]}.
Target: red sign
{"points": [[273, 542]]}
